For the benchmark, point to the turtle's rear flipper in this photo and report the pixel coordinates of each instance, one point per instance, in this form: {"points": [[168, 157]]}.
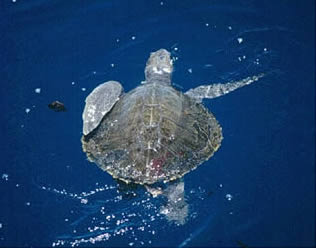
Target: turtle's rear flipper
{"points": [[100, 101], [176, 209], [216, 90]]}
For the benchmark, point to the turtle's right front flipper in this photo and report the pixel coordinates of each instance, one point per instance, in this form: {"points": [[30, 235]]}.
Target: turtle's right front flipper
{"points": [[216, 90], [100, 101]]}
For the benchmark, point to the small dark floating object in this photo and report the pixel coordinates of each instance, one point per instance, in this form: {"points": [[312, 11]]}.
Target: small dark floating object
{"points": [[57, 106], [241, 244]]}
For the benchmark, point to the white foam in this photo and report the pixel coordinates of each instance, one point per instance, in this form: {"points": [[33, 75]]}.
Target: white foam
{"points": [[229, 197], [5, 177]]}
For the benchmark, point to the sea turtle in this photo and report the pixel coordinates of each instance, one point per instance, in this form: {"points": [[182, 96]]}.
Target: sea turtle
{"points": [[154, 133]]}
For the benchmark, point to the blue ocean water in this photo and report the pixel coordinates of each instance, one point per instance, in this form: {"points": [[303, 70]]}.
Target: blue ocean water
{"points": [[259, 187]]}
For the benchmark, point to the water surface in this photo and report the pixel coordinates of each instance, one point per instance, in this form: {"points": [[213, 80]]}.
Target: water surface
{"points": [[257, 190]]}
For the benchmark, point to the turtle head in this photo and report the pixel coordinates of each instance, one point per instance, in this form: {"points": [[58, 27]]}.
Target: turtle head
{"points": [[159, 67]]}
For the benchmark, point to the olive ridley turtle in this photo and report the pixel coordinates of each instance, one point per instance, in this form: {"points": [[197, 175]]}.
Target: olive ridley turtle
{"points": [[154, 132]]}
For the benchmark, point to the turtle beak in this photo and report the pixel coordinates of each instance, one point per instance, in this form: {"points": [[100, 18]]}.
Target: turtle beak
{"points": [[160, 62], [159, 67]]}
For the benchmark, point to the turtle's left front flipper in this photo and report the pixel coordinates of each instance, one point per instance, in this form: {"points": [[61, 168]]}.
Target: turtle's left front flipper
{"points": [[98, 103], [216, 90]]}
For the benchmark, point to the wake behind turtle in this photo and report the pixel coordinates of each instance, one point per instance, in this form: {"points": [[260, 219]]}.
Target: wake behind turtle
{"points": [[153, 133]]}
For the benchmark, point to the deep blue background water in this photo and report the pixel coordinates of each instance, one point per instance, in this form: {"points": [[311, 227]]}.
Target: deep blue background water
{"points": [[267, 158]]}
